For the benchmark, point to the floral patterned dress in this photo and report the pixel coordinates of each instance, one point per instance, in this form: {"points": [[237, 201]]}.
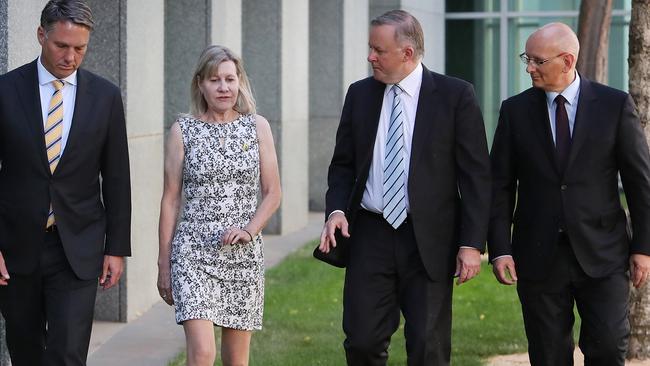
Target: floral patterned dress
{"points": [[220, 283]]}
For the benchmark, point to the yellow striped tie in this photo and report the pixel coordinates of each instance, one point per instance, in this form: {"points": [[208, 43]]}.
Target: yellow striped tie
{"points": [[53, 132]]}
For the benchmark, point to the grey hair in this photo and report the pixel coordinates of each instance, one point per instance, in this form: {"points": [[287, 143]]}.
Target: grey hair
{"points": [[407, 28], [209, 61], [75, 11]]}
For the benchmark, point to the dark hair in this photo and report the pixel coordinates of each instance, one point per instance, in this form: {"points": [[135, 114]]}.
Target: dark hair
{"points": [[75, 11], [407, 28]]}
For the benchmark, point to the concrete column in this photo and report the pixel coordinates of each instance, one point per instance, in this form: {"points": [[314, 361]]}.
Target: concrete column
{"points": [[190, 26], [23, 18], [295, 115], [355, 41], [226, 24], [338, 44], [187, 33], [124, 49], [275, 51], [431, 15], [105, 57], [378, 7], [144, 59], [3, 36]]}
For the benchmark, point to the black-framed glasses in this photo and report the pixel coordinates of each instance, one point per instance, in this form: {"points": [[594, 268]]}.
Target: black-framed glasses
{"points": [[536, 62]]}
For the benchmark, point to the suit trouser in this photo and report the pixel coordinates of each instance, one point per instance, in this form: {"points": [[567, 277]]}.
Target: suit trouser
{"points": [[385, 274], [48, 314], [547, 308]]}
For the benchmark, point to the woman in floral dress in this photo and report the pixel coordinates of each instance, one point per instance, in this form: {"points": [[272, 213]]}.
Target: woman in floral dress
{"points": [[211, 262]]}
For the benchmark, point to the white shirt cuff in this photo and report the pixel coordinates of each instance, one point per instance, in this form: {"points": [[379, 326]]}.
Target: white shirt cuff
{"points": [[333, 212], [468, 247], [501, 256]]}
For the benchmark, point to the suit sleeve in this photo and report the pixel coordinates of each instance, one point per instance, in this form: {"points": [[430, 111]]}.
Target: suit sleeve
{"points": [[341, 174], [504, 186], [634, 166], [116, 183], [473, 166]]}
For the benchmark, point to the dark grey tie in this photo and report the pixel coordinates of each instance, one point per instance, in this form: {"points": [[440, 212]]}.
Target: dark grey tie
{"points": [[562, 133]]}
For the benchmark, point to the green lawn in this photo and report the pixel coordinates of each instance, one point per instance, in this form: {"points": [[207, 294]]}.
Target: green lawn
{"points": [[302, 320]]}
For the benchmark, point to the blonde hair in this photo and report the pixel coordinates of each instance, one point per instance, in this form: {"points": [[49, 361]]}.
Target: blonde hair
{"points": [[209, 61]]}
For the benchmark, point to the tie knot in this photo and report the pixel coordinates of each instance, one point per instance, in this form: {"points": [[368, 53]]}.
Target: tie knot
{"points": [[58, 84], [560, 99], [397, 90]]}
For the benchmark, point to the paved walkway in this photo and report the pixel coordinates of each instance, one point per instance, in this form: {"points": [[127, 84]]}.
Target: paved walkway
{"points": [[521, 359], [154, 339]]}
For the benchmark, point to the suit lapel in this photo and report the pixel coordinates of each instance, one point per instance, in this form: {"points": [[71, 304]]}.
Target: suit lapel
{"points": [[30, 98], [80, 117], [424, 118], [586, 103], [371, 124], [538, 113]]}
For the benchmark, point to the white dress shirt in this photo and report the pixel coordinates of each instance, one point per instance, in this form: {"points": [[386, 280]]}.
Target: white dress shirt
{"points": [[373, 195], [571, 94], [46, 90]]}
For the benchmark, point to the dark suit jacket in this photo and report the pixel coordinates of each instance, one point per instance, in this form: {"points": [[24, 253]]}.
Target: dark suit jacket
{"points": [[449, 159], [89, 190], [607, 139]]}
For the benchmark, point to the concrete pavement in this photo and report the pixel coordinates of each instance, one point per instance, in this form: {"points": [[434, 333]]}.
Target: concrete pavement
{"points": [[154, 339]]}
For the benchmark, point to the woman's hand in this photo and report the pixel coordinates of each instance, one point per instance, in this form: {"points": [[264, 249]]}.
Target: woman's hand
{"points": [[234, 235], [165, 283]]}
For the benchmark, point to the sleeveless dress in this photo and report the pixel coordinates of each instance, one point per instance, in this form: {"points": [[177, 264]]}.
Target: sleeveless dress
{"points": [[220, 283]]}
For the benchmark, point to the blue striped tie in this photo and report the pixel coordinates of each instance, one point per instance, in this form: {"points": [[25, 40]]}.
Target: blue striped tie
{"points": [[394, 179]]}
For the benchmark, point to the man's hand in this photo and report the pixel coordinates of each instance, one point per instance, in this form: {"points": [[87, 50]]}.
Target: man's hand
{"points": [[4, 274], [336, 221], [468, 264], [504, 270], [639, 269], [111, 271]]}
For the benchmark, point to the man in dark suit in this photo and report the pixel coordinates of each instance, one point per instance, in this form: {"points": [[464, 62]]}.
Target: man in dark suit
{"points": [[558, 150], [409, 185], [65, 206]]}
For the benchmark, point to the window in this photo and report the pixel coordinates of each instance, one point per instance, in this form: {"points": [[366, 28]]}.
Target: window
{"points": [[484, 39]]}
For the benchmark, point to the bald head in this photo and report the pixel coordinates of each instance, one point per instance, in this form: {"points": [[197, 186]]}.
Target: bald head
{"points": [[553, 50], [557, 37]]}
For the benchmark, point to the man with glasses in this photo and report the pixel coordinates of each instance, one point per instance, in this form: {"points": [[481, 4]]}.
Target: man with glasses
{"points": [[557, 153]]}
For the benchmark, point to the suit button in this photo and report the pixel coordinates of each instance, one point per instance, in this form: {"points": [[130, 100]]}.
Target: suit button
{"points": [[563, 187]]}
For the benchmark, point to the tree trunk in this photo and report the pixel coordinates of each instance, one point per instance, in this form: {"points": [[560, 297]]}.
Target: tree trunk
{"points": [[639, 75], [593, 33]]}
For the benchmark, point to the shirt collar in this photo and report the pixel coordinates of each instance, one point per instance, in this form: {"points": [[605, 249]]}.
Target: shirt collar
{"points": [[45, 77], [411, 83], [570, 93]]}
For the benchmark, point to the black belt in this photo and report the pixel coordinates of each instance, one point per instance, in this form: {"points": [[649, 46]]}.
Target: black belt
{"points": [[381, 216], [51, 229]]}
